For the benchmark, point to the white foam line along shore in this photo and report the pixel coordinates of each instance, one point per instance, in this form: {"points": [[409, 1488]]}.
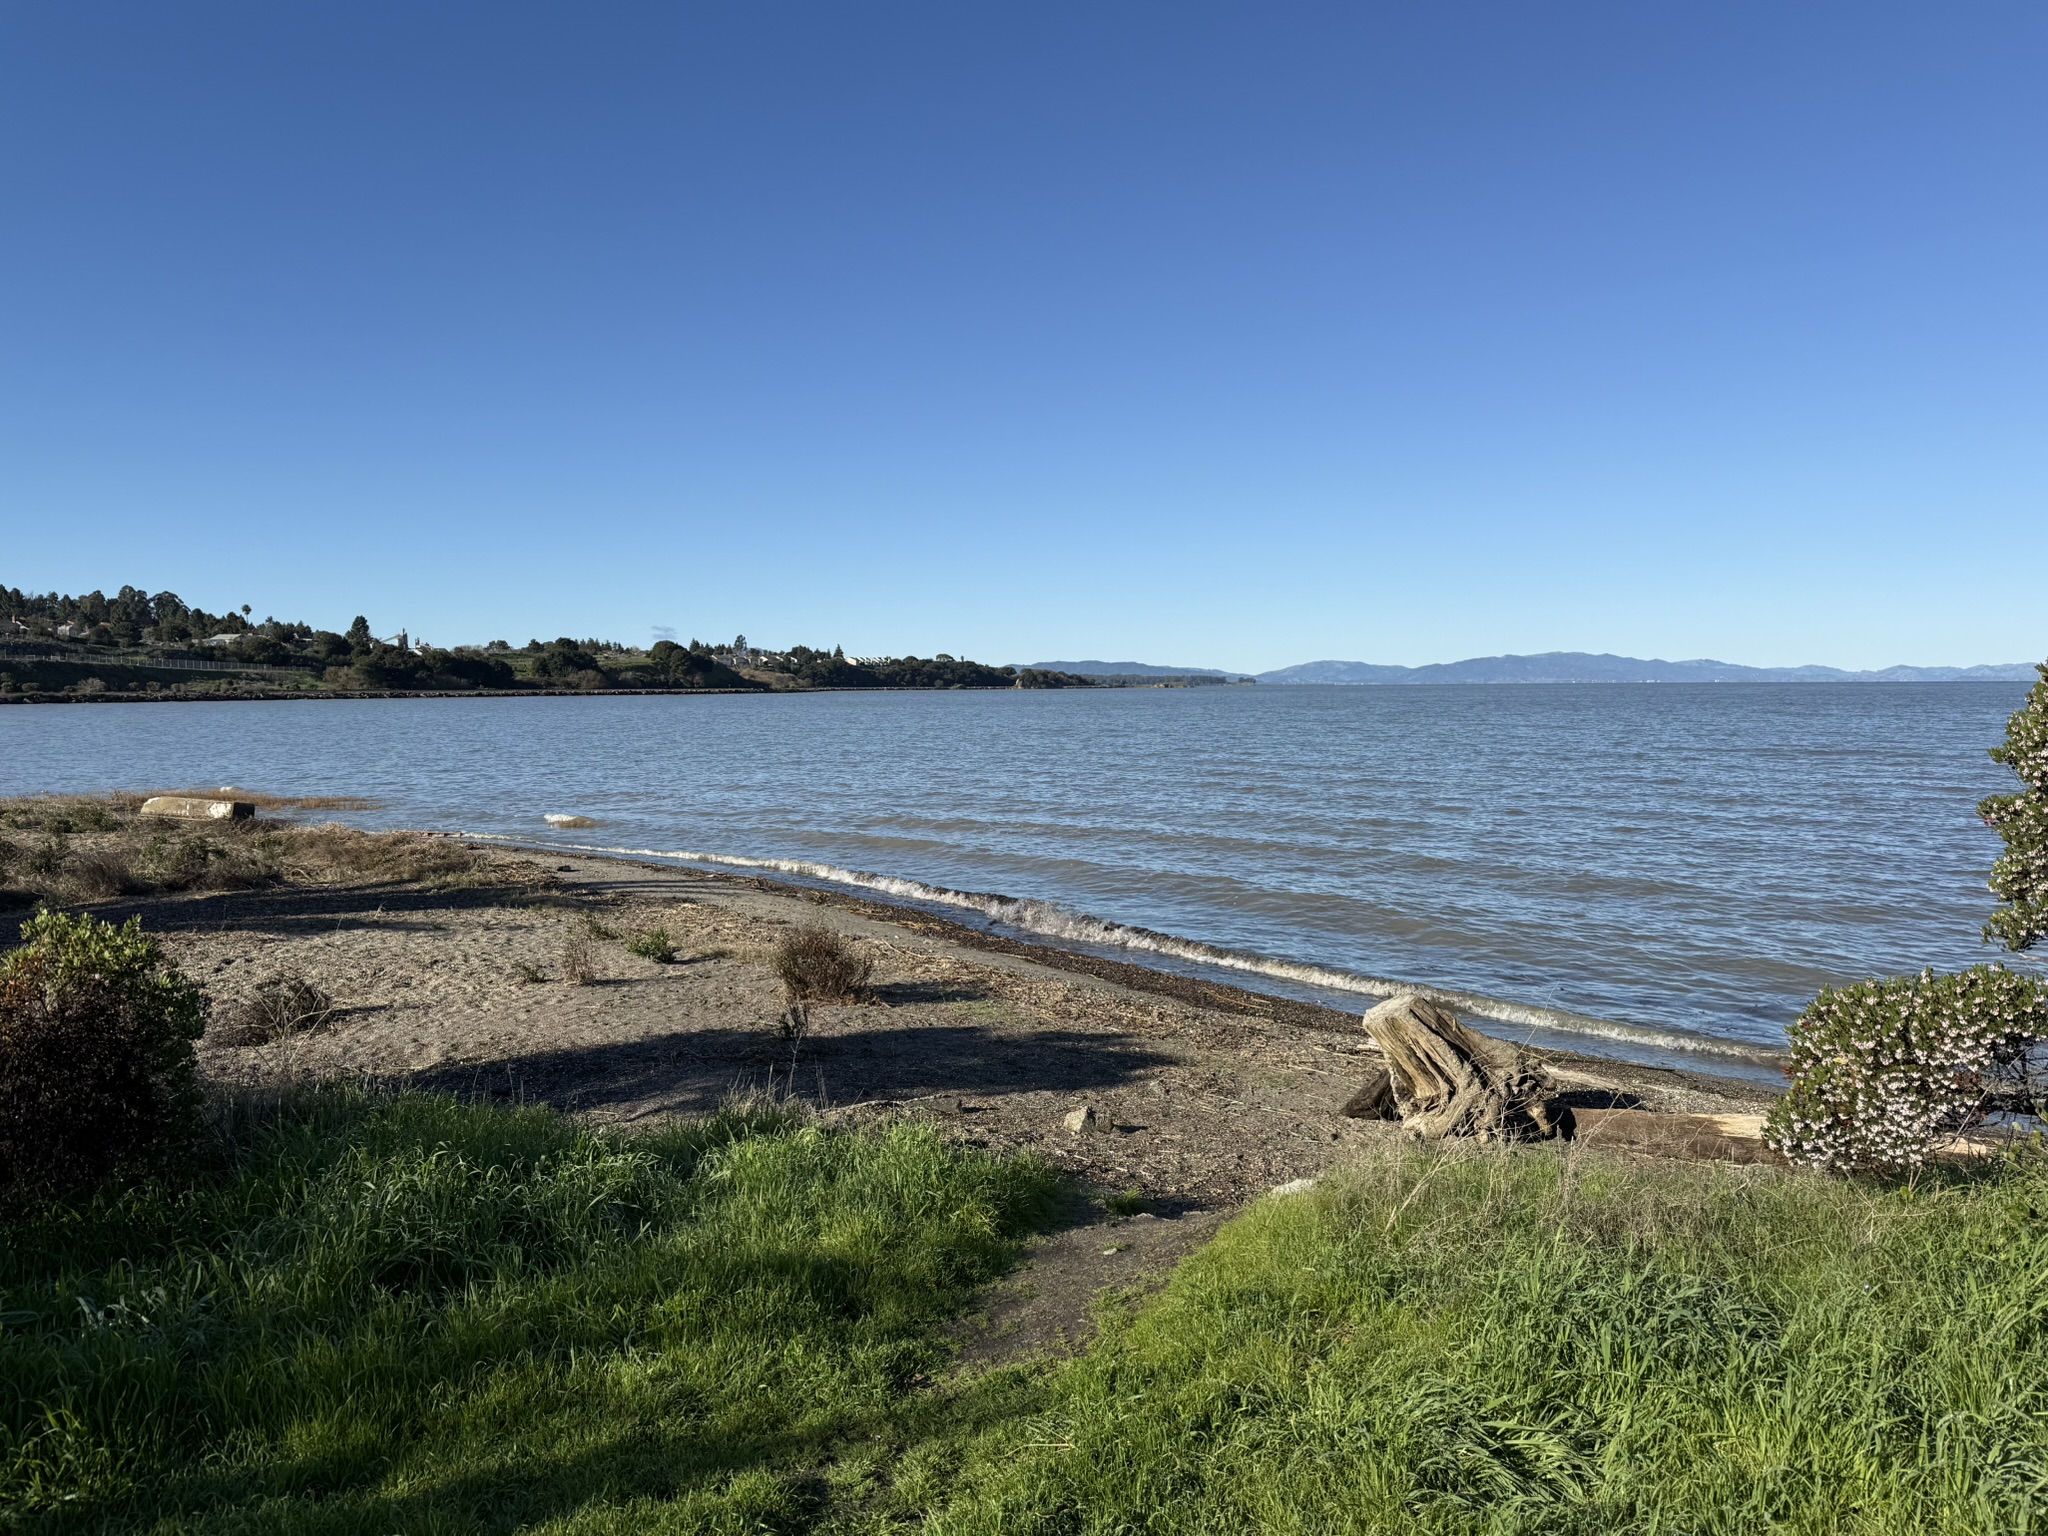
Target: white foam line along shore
{"points": [[1057, 922]]}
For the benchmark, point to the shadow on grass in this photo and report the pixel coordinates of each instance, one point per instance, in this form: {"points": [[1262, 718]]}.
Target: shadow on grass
{"points": [[675, 1455], [447, 1317]]}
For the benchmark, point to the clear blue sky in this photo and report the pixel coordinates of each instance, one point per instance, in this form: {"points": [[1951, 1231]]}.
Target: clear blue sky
{"points": [[1235, 335]]}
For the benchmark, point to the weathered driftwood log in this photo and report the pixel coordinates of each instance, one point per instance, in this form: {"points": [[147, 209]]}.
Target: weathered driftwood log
{"points": [[1375, 1099], [1442, 1079]]}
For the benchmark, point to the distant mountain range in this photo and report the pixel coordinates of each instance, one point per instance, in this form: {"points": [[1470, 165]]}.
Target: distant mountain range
{"points": [[1582, 667], [1557, 667]]}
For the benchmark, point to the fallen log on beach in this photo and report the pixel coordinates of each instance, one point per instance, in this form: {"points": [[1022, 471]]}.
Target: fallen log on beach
{"points": [[1443, 1080], [1734, 1138]]}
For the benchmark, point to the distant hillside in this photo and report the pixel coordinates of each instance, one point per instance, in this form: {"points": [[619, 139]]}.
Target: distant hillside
{"points": [[1125, 669], [1582, 667]]}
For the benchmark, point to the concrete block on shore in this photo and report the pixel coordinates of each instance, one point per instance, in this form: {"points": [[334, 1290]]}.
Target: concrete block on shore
{"points": [[191, 808]]}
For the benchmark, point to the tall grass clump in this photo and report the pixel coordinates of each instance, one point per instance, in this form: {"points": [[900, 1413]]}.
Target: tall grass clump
{"points": [[409, 1314], [1447, 1340]]}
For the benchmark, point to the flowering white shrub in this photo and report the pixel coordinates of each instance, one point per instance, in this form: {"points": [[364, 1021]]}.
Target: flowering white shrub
{"points": [[2020, 878], [1883, 1072]]}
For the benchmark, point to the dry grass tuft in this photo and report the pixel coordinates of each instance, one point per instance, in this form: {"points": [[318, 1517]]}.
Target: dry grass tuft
{"points": [[336, 852], [579, 967], [283, 1005], [197, 861], [89, 848], [99, 873], [62, 815]]}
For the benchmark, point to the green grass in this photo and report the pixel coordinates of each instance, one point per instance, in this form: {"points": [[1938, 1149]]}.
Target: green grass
{"points": [[1464, 1341], [655, 945], [405, 1314]]}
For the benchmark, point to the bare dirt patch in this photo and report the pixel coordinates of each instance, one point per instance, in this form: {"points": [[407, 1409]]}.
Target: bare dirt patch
{"points": [[1047, 1307]]}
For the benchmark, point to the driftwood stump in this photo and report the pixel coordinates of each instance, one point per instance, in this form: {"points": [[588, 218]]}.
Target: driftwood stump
{"points": [[1442, 1079]]}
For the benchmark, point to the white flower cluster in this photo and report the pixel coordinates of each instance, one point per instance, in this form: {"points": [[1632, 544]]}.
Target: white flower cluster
{"points": [[1883, 1072], [2020, 878]]}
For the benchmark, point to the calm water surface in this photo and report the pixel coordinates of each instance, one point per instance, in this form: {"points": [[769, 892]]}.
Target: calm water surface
{"points": [[1697, 858]]}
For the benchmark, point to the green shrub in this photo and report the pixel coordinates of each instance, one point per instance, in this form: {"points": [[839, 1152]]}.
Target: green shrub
{"points": [[1883, 1072], [386, 666], [96, 1065], [175, 864], [655, 945], [566, 664], [671, 666], [2020, 878]]}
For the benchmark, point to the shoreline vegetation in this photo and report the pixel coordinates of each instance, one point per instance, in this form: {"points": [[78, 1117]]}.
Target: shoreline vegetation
{"points": [[475, 1235], [134, 646]]}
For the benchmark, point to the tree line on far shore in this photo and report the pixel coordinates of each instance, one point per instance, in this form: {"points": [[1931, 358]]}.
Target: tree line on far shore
{"points": [[96, 629]]}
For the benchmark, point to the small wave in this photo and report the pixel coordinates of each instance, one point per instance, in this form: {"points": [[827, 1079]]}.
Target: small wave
{"points": [[1056, 922]]}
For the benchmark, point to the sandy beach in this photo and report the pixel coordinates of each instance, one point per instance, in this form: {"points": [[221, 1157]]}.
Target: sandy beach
{"points": [[1205, 1094]]}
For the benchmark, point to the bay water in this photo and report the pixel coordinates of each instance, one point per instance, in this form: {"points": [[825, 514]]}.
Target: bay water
{"points": [[1647, 869]]}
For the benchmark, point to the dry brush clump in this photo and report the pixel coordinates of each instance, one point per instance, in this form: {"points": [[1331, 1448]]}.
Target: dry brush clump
{"points": [[78, 848], [333, 852], [97, 1070], [283, 1005], [99, 874], [579, 956], [816, 965]]}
